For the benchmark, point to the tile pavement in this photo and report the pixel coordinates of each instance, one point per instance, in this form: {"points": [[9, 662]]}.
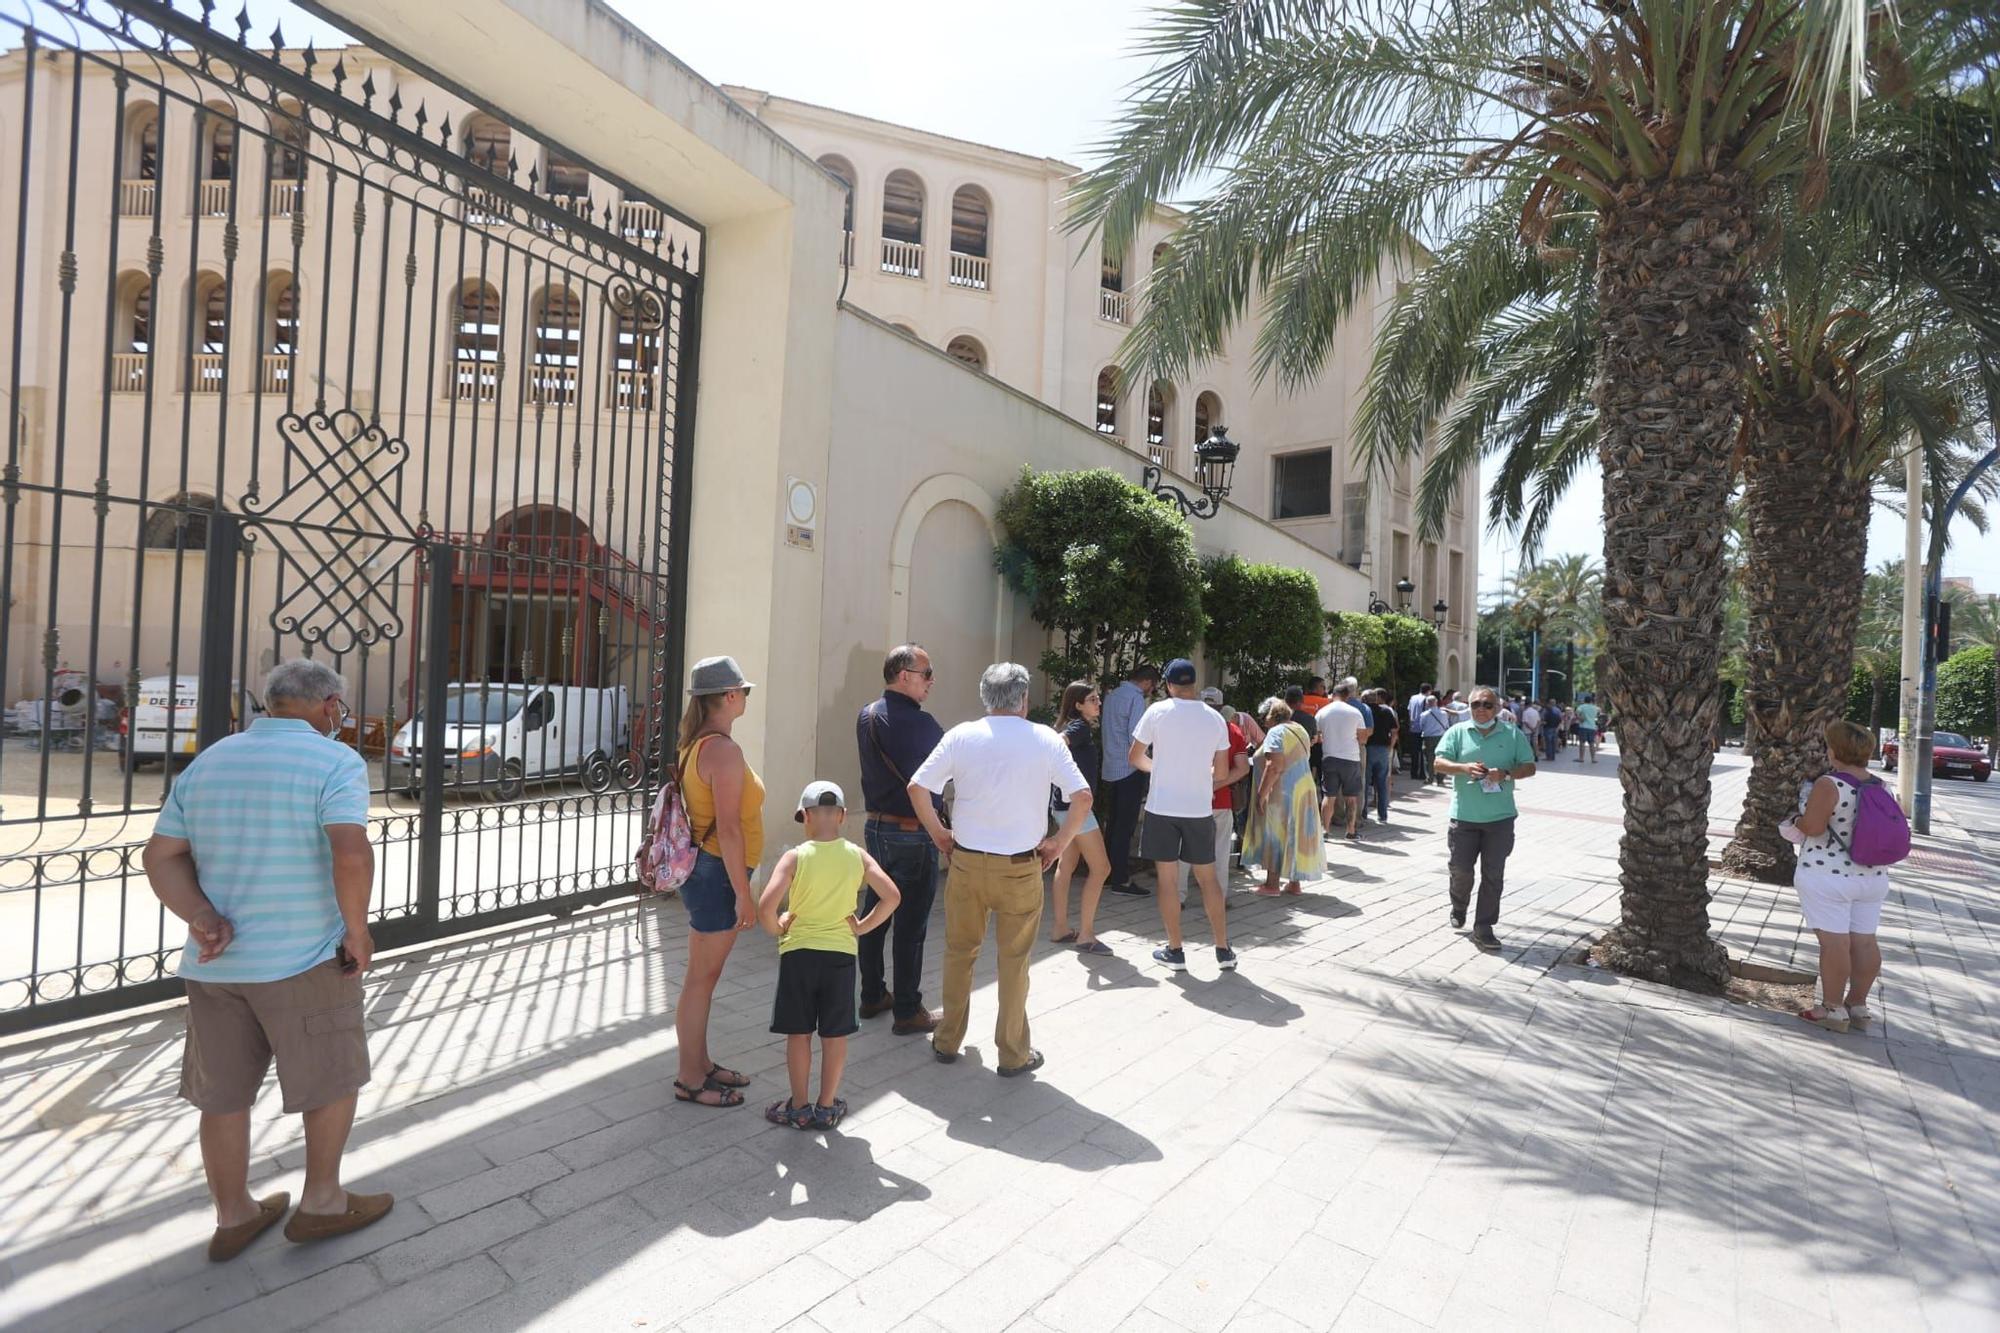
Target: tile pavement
{"points": [[1371, 1125]]}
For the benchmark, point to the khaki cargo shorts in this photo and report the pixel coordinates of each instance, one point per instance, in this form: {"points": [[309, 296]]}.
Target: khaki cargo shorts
{"points": [[311, 1023]]}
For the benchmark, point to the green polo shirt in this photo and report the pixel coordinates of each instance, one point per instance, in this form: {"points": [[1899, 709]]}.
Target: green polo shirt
{"points": [[1503, 747]]}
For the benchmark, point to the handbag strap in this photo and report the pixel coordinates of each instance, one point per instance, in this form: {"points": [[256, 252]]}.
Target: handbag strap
{"points": [[874, 717]]}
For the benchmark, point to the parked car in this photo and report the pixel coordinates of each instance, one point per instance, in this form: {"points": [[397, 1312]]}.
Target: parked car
{"points": [[1952, 756], [165, 718], [499, 738]]}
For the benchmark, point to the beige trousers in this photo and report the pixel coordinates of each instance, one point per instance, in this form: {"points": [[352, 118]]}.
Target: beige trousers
{"points": [[1010, 892]]}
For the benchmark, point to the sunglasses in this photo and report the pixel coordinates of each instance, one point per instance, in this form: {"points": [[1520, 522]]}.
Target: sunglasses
{"points": [[1484, 703], [926, 673]]}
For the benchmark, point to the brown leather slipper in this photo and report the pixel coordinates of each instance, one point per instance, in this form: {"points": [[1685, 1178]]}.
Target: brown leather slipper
{"points": [[228, 1242], [362, 1209]]}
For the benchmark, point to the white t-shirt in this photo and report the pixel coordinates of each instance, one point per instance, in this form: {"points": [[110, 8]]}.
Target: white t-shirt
{"points": [[1531, 718], [1002, 769], [1185, 735], [1338, 725]]}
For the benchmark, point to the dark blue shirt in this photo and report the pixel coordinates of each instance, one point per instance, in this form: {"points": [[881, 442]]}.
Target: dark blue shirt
{"points": [[895, 735], [1088, 752]]}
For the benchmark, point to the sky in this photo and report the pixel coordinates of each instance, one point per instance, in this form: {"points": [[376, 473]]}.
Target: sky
{"points": [[1044, 77]]}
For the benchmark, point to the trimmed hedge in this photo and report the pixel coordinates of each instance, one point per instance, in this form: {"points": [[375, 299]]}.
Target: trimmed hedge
{"points": [[1264, 626], [1965, 692]]}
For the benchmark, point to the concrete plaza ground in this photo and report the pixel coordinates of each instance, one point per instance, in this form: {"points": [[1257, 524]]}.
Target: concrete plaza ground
{"points": [[1371, 1125]]}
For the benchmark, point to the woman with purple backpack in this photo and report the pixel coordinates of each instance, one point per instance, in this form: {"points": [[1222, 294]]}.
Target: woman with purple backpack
{"points": [[1849, 832]]}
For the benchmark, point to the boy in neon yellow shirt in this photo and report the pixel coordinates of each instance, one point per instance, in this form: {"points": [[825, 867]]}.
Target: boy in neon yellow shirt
{"points": [[816, 952]]}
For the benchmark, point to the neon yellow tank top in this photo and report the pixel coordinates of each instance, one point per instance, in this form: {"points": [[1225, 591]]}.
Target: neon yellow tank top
{"points": [[826, 890]]}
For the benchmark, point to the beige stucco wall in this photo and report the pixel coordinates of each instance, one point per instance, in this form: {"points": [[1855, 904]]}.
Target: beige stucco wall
{"points": [[922, 450]]}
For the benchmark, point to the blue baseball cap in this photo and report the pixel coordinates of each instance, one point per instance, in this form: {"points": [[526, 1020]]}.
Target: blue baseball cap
{"points": [[1180, 671]]}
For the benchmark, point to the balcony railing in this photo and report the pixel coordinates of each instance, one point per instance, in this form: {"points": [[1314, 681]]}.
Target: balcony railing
{"points": [[905, 259], [552, 386], [631, 390], [205, 373], [277, 375], [212, 199], [474, 382], [1114, 306], [484, 209], [970, 270], [1160, 455], [136, 198], [283, 198], [640, 221], [128, 369]]}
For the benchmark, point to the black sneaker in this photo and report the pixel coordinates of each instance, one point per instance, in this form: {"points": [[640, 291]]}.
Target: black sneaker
{"points": [[1130, 890], [1226, 959], [1174, 958], [1458, 918], [1484, 937], [944, 1057]]}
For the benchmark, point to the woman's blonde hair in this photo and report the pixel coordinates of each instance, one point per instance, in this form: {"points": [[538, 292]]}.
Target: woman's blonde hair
{"points": [[695, 716], [1850, 742]]}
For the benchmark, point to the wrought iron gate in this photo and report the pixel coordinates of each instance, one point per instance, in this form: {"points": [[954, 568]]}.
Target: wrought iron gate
{"points": [[312, 355]]}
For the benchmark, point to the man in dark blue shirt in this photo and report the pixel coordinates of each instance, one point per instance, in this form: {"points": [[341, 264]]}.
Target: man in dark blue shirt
{"points": [[895, 736]]}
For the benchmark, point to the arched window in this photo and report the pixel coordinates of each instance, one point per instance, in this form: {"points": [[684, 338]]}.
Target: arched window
{"points": [[1107, 401], [475, 342], [139, 312], [488, 143], [905, 330], [903, 208], [971, 227], [1111, 273], [211, 305], [1160, 255], [558, 337], [636, 362], [217, 160], [903, 225], [142, 143], [220, 159], [1112, 303], [1207, 415], [281, 331], [179, 524], [1159, 412], [842, 170], [966, 351], [564, 179], [132, 334]]}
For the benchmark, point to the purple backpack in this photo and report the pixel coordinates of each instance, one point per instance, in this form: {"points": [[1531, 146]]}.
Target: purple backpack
{"points": [[1881, 833]]}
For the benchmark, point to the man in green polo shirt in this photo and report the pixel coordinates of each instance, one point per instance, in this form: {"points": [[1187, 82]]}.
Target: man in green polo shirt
{"points": [[1484, 758]]}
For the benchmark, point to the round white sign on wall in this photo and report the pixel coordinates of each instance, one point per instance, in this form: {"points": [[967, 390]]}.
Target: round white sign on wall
{"points": [[801, 502]]}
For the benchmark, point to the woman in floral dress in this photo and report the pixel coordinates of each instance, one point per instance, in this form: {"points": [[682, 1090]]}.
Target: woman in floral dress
{"points": [[1284, 834]]}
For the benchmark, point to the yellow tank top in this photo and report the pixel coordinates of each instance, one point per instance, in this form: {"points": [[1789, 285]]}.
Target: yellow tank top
{"points": [[826, 889], [700, 798]]}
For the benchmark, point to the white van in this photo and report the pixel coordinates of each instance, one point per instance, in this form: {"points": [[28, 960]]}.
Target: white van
{"points": [[168, 703], [498, 738]]}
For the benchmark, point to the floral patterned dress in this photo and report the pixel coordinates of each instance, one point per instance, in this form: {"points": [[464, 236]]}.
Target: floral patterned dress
{"points": [[1285, 836]]}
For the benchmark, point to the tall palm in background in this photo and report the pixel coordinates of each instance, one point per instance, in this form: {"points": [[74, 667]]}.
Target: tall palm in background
{"points": [[1655, 127], [1566, 593]]}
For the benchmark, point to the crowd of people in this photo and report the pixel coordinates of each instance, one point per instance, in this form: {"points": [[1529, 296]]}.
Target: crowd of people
{"points": [[261, 848]]}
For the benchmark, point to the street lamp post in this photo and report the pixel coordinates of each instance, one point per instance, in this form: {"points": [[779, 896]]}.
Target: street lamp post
{"points": [[1214, 466], [1378, 607]]}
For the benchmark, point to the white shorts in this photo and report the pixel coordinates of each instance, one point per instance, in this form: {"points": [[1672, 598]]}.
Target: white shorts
{"points": [[1841, 904]]}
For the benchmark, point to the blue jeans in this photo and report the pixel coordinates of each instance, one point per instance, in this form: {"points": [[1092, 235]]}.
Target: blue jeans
{"points": [[1550, 738], [1378, 781], [910, 858]]}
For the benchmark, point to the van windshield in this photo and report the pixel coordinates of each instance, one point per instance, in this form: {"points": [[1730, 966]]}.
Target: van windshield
{"points": [[477, 706]]}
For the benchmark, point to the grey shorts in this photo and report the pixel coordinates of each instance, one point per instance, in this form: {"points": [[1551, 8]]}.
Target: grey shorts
{"points": [[1343, 777], [1168, 838]]}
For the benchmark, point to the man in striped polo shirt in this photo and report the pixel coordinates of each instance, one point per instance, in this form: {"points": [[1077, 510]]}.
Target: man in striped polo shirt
{"points": [[262, 848]]}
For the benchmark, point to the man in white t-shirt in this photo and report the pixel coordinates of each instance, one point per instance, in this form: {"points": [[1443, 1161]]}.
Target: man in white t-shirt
{"points": [[1000, 769], [1343, 730], [1189, 760]]}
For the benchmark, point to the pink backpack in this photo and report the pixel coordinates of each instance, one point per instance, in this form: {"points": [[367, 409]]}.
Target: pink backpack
{"points": [[667, 854], [1881, 833]]}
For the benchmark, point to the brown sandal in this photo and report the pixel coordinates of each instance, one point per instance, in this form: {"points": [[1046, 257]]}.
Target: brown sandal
{"points": [[362, 1210], [228, 1242], [724, 1096]]}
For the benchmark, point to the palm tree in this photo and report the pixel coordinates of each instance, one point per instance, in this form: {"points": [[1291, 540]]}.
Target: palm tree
{"points": [[1656, 129], [1567, 588]]}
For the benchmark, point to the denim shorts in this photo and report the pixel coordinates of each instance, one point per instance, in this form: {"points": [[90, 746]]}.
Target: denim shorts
{"points": [[1090, 824], [710, 899]]}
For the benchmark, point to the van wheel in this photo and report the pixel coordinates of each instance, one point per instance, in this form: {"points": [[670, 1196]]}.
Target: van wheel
{"points": [[597, 775], [509, 787]]}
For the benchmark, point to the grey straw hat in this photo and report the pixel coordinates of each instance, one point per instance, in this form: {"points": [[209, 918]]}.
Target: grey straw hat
{"points": [[717, 675]]}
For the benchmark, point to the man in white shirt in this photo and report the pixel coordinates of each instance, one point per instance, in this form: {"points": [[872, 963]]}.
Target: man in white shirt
{"points": [[1000, 768], [1343, 730], [1189, 760], [1530, 720], [1413, 708]]}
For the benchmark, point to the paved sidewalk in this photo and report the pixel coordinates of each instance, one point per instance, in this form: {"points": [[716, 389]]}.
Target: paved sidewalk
{"points": [[1371, 1125]]}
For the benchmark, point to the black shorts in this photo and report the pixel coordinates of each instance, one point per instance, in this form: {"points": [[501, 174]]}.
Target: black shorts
{"points": [[815, 994], [1167, 838]]}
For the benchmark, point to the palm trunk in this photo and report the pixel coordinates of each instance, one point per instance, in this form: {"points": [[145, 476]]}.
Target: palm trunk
{"points": [[1805, 562], [1676, 308]]}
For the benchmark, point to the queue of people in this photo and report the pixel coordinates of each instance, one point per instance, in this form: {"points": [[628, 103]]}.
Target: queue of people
{"points": [[261, 848]]}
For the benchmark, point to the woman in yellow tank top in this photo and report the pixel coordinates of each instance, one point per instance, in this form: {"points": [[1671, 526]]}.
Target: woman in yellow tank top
{"points": [[725, 804]]}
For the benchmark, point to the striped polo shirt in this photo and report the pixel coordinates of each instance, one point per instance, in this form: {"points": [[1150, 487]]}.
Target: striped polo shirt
{"points": [[254, 806]]}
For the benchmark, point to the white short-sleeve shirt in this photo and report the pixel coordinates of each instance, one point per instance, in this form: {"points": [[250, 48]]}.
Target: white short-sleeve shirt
{"points": [[1001, 769], [1339, 723], [1185, 735]]}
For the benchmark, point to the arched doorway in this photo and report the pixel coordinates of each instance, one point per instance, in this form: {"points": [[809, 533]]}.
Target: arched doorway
{"points": [[535, 602]]}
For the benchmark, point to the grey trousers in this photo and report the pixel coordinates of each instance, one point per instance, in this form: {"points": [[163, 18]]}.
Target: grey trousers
{"points": [[1486, 845]]}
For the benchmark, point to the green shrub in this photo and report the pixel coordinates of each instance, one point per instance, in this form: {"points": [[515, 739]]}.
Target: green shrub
{"points": [[1264, 626], [1107, 567], [1965, 692], [1393, 651]]}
